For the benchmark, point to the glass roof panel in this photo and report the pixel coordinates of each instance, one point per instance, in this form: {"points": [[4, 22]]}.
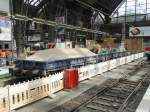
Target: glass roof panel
{"points": [[132, 10], [131, 7], [33, 2]]}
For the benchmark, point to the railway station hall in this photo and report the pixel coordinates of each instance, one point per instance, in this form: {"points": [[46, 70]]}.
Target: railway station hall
{"points": [[74, 55]]}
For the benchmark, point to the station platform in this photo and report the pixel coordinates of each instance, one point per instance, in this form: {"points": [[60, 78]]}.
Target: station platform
{"points": [[47, 104], [144, 105]]}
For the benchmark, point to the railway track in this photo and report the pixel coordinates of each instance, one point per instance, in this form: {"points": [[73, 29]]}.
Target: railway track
{"points": [[114, 98], [111, 100], [115, 95]]}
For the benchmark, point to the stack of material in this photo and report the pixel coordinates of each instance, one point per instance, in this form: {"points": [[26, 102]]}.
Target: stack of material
{"points": [[134, 45], [109, 42], [60, 54], [56, 59], [90, 44]]}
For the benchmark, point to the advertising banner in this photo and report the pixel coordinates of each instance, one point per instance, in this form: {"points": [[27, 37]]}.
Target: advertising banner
{"points": [[5, 29]]}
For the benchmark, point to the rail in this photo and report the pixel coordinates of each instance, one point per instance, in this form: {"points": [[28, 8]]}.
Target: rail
{"points": [[126, 101], [113, 97]]}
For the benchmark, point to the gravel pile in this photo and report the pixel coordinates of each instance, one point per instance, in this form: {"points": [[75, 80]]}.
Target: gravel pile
{"points": [[60, 53]]}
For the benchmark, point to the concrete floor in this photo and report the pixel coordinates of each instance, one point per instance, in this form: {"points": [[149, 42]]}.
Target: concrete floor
{"points": [[47, 104], [144, 105]]}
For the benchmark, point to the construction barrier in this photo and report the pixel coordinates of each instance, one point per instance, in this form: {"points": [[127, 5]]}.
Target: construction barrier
{"points": [[83, 73], [28, 92], [92, 70], [141, 55], [98, 67], [128, 59], [57, 82], [136, 56], [89, 71], [105, 66], [122, 60], [118, 62], [4, 101], [132, 57], [113, 64], [18, 95]]}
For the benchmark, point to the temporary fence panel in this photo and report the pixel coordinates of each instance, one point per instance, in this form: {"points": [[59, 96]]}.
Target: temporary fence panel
{"points": [[132, 57], [141, 55], [118, 62], [28, 92], [136, 56], [98, 67], [105, 66], [83, 73], [125, 60], [92, 71], [113, 64], [122, 60], [31, 91], [57, 82], [128, 59], [4, 99]]}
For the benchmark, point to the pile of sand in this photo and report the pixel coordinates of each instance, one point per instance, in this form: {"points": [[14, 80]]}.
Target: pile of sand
{"points": [[59, 54]]}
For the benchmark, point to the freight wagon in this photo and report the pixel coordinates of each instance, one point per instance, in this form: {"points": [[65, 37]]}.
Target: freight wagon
{"points": [[53, 60]]}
